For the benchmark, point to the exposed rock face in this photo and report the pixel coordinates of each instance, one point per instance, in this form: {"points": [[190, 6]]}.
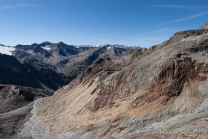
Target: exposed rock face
{"points": [[180, 36], [173, 76], [161, 92]]}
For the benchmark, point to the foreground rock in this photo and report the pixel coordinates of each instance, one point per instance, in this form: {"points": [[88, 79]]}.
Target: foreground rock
{"points": [[161, 92], [16, 104]]}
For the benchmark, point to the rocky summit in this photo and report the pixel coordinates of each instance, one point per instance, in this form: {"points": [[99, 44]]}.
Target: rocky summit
{"points": [[160, 92]]}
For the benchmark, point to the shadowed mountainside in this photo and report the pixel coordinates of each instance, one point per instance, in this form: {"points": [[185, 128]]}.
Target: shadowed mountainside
{"points": [[14, 73]]}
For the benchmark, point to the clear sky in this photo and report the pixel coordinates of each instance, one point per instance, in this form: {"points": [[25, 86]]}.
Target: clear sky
{"points": [[130, 22]]}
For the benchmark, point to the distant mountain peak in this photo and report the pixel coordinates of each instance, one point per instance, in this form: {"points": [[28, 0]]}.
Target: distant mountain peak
{"points": [[62, 43], [46, 42]]}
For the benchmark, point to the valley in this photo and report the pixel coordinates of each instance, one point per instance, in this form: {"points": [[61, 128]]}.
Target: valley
{"points": [[111, 92], [154, 92]]}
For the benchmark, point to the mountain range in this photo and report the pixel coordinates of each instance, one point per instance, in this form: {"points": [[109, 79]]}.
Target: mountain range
{"points": [[113, 93], [39, 70], [58, 61]]}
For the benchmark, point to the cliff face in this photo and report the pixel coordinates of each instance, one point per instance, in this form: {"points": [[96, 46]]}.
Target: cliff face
{"points": [[156, 93]]}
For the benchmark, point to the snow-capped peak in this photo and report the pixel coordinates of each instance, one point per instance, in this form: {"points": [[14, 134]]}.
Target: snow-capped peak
{"points": [[46, 48], [6, 50]]}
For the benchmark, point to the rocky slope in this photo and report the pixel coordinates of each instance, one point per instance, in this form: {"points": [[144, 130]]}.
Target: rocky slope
{"points": [[161, 92], [16, 104]]}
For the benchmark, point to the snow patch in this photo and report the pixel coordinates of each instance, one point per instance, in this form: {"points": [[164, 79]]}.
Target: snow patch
{"points": [[32, 53], [6, 50], [46, 48], [108, 47], [96, 45]]}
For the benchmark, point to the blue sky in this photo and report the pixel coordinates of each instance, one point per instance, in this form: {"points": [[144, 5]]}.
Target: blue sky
{"points": [[130, 22]]}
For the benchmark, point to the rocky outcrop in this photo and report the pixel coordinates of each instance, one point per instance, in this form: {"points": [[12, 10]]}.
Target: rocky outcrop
{"points": [[179, 36], [173, 76]]}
